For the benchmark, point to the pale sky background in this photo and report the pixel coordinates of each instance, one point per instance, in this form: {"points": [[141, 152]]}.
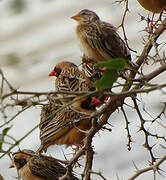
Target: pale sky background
{"points": [[42, 36]]}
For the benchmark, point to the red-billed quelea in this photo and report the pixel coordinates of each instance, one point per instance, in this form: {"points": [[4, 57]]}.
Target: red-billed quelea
{"points": [[67, 126], [70, 79], [33, 167]]}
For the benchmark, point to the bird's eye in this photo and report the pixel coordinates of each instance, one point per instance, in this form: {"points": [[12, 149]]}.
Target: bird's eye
{"points": [[58, 71], [83, 13]]}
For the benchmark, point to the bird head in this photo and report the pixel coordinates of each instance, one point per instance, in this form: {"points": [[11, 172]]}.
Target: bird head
{"points": [[87, 104], [21, 158], [85, 16], [59, 68]]}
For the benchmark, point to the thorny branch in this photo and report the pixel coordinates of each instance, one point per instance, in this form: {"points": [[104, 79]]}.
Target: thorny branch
{"points": [[154, 167], [127, 129], [142, 128], [122, 24]]}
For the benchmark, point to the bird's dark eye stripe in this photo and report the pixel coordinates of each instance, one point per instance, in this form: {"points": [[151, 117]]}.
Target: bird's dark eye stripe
{"points": [[21, 162], [16, 160], [57, 70]]}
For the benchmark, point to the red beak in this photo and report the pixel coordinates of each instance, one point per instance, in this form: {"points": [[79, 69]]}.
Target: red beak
{"points": [[53, 73], [76, 17], [95, 102], [12, 165]]}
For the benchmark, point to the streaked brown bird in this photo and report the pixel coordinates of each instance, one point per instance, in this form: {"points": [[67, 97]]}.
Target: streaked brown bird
{"points": [[155, 6], [48, 109], [94, 74], [70, 79], [89, 69], [66, 126], [33, 167], [100, 40]]}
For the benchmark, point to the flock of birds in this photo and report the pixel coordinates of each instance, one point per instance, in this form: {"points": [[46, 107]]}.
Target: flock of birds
{"points": [[100, 42]]}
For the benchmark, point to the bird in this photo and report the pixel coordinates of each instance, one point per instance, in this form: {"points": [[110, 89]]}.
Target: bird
{"points": [[70, 79], [100, 40], [94, 74], [33, 167], [89, 69], [66, 126], [155, 6]]}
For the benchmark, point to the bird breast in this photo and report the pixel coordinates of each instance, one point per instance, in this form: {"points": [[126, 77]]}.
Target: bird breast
{"points": [[81, 31], [155, 6], [26, 174]]}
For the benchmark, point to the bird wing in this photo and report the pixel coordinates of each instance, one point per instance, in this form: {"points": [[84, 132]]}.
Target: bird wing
{"points": [[59, 125], [92, 72], [46, 111], [103, 37], [46, 167]]}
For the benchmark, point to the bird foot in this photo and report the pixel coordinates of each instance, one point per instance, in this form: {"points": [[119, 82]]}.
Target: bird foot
{"points": [[152, 26]]}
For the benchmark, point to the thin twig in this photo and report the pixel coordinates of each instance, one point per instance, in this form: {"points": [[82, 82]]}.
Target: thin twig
{"points": [[153, 167]]}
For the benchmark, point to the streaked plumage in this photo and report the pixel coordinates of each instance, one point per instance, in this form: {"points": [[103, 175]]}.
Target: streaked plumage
{"points": [[62, 128], [99, 40], [33, 167], [70, 79], [88, 68], [48, 109]]}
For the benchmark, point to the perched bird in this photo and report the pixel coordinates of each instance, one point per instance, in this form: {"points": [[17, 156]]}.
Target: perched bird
{"points": [[48, 109], [155, 6], [70, 79], [66, 126], [33, 167], [88, 68], [100, 40]]}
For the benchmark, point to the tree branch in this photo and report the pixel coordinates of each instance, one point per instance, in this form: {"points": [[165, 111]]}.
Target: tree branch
{"points": [[153, 167]]}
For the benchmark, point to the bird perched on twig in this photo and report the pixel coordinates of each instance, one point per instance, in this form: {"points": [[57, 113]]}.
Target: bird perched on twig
{"points": [[155, 6], [68, 126], [70, 79], [33, 167], [100, 40]]}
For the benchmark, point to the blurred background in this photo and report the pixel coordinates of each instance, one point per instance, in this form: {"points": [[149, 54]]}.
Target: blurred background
{"points": [[34, 36]]}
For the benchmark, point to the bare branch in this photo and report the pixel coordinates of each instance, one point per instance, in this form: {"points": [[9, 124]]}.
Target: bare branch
{"points": [[153, 167]]}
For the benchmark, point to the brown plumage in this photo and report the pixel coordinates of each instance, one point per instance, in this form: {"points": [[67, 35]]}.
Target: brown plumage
{"points": [[88, 68], [155, 6], [70, 79], [99, 40], [48, 109], [33, 167], [63, 127]]}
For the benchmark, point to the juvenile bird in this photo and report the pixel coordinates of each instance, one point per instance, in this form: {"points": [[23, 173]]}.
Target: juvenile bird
{"points": [[33, 167], [155, 6], [66, 126], [100, 40], [70, 79]]}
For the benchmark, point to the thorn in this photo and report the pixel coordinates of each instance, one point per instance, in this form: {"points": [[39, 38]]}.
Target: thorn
{"points": [[135, 166]]}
